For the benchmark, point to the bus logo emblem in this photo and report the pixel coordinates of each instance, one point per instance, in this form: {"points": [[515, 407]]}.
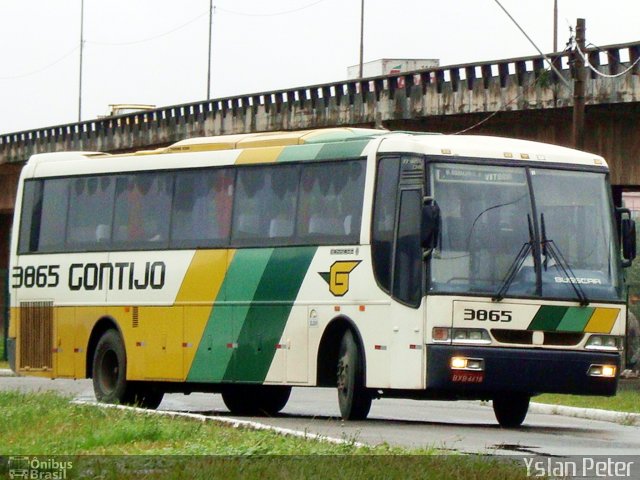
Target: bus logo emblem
{"points": [[338, 276]]}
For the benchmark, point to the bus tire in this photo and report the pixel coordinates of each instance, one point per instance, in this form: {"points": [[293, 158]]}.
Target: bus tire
{"points": [[353, 397], [110, 370], [144, 396], [511, 409], [256, 400]]}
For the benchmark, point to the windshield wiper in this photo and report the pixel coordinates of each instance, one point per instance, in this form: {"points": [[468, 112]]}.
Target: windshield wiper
{"points": [[551, 250], [515, 265]]}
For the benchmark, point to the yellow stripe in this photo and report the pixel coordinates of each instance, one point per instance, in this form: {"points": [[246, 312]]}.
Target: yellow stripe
{"points": [[204, 276], [259, 155], [602, 320], [201, 285]]}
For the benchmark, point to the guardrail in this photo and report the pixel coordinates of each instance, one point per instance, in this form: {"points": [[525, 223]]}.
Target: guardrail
{"points": [[510, 84]]}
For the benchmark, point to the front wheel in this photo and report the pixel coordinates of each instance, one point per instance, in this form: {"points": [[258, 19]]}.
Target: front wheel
{"points": [[511, 409], [353, 397]]}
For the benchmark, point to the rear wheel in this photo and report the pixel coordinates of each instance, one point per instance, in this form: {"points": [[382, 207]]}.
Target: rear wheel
{"points": [[110, 376], [256, 399], [511, 409], [353, 397]]}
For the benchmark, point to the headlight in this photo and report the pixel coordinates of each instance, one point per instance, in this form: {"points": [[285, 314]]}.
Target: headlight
{"points": [[478, 336], [605, 342]]}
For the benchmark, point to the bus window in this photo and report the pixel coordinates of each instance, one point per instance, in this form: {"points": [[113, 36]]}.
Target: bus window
{"points": [[384, 217], [265, 206], [407, 278], [30, 217], [55, 198], [142, 203], [90, 212], [202, 208], [331, 202]]}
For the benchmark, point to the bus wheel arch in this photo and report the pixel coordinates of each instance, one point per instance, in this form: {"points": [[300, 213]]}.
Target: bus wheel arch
{"points": [[342, 364], [99, 329], [108, 370], [329, 349]]}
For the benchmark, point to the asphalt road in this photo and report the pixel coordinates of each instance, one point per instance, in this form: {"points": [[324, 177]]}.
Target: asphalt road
{"points": [[468, 427]]}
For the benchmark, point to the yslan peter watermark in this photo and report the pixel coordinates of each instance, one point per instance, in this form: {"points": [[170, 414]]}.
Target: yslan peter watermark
{"points": [[584, 467]]}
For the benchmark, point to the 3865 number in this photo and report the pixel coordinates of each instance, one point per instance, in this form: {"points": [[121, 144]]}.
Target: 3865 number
{"points": [[490, 315], [32, 276]]}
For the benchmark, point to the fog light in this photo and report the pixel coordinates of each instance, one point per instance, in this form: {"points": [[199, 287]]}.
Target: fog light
{"points": [[608, 371], [464, 363], [458, 363]]}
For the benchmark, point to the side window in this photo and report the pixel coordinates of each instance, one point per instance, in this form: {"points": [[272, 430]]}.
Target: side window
{"points": [[384, 219], [53, 219], [90, 212], [142, 204], [30, 212], [265, 205], [331, 199], [407, 274], [202, 208]]}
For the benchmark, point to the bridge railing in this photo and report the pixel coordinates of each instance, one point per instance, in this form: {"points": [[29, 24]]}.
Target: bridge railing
{"points": [[516, 83]]}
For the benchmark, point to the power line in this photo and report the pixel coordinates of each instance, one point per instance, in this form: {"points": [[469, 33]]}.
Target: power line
{"points": [[502, 107], [42, 69], [598, 72], [275, 14], [553, 67], [148, 39]]}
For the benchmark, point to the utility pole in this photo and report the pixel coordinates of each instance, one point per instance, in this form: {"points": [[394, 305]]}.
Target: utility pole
{"points": [[555, 26], [360, 75], [81, 49], [578, 86], [209, 57]]}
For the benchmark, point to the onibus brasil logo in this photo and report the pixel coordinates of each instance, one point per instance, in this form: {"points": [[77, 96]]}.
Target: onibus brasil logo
{"points": [[338, 276], [38, 468]]}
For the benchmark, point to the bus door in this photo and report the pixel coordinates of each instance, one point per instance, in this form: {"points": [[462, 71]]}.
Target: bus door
{"points": [[407, 284]]}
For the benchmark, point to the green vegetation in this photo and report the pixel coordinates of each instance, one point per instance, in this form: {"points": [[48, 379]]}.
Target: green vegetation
{"points": [[625, 401], [47, 424], [3, 362]]}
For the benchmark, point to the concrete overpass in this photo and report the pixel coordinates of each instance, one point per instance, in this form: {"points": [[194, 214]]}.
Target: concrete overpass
{"points": [[511, 97], [516, 97]]}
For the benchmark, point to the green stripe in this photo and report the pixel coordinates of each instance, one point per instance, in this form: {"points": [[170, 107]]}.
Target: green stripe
{"points": [[548, 318], [270, 277], [299, 153], [575, 319], [350, 149], [265, 320], [213, 356]]}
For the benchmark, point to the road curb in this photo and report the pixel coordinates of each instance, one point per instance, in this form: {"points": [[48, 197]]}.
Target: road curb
{"points": [[5, 372], [623, 418], [233, 422]]}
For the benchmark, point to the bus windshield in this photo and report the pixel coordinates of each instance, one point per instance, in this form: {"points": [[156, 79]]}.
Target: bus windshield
{"points": [[516, 231]]}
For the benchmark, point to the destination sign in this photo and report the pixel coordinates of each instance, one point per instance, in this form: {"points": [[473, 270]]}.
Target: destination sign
{"points": [[479, 175]]}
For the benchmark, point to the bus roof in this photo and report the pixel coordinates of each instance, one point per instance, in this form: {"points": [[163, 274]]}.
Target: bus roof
{"points": [[343, 143]]}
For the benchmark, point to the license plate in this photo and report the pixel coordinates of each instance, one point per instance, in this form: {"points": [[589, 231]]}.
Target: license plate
{"points": [[467, 377]]}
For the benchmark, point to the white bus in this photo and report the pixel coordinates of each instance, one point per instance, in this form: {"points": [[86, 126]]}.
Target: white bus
{"points": [[384, 264]]}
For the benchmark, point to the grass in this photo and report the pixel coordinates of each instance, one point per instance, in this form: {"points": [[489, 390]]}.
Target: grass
{"points": [[3, 363], [625, 401], [47, 424]]}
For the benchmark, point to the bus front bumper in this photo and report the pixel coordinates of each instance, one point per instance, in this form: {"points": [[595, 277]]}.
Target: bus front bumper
{"points": [[518, 370]]}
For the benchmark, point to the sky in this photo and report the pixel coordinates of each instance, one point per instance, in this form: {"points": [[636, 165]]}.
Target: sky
{"points": [[156, 51]]}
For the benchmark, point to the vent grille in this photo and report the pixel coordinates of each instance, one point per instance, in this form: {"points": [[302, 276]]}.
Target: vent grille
{"points": [[521, 337], [135, 318], [36, 335], [525, 337]]}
